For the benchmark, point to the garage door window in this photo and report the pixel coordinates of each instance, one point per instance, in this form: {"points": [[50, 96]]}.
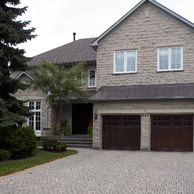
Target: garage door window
{"points": [[111, 121], [161, 121], [183, 121], [131, 120]]}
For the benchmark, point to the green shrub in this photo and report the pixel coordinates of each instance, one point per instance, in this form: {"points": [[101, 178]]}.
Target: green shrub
{"points": [[61, 147], [52, 144], [21, 142], [49, 143], [4, 154], [38, 138]]}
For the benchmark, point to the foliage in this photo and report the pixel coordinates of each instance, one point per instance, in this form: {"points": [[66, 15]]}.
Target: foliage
{"points": [[21, 142], [49, 143], [90, 127], [52, 144], [61, 83], [62, 126], [41, 157], [61, 147], [4, 154], [12, 33]]}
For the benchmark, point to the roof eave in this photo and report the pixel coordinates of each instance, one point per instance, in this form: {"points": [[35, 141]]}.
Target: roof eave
{"points": [[130, 99]]}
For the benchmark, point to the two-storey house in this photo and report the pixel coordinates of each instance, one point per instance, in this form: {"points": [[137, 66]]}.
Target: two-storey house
{"points": [[145, 82], [140, 74]]}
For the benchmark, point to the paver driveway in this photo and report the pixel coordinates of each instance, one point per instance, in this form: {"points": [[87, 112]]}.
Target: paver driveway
{"points": [[95, 171]]}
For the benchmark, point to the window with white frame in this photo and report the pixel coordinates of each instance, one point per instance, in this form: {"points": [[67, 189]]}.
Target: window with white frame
{"points": [[35, 119], [170, 58], [125, 61], [91, 78]]}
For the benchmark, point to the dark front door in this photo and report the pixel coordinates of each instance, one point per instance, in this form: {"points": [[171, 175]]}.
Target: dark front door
{"points": [[121, 132], [81, 115], [172, 132]]}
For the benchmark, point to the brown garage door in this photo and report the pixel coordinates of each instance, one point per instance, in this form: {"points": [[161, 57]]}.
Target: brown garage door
{"points": [[121, 132], [172, 132]]}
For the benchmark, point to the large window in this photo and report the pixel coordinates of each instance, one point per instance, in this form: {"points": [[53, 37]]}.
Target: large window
{"points": [[125, 61], [92, 78], [170, 58], [35, 120]]}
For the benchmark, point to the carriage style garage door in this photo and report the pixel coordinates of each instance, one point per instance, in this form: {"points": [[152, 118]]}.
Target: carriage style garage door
{"points": [[121, 132], [172, 132]]}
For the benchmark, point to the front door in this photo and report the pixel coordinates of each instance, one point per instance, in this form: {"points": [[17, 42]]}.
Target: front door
{"points": [[81, 115]]}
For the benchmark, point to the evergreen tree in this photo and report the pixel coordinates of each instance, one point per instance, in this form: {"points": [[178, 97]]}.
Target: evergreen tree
{"points": [[12, 33]]}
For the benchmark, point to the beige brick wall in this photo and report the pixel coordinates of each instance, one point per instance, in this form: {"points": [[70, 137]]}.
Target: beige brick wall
{"points": [[32, 95], [146, 34], [143, 108]]}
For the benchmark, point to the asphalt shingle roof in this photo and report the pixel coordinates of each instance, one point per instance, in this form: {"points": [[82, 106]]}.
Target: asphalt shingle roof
{"points": [[73, 52]]}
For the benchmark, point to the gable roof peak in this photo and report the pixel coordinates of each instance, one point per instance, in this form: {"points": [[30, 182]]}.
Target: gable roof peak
{"points": [[132, 11]]}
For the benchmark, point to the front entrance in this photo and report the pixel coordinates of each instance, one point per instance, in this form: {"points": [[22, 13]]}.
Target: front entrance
{"points": [[81, 114]]}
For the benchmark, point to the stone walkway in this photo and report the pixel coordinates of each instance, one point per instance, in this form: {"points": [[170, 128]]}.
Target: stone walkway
{"points": [[107, 172]]}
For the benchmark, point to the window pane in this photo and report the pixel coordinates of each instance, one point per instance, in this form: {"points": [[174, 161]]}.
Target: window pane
{"points": [[163, 58], [92, 78], [37, 120], [38, 105], [176, 58], [31, 121], [31, 105], [131, 60], [119, 61]]}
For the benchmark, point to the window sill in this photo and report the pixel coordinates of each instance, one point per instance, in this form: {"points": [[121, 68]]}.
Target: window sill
{"points": [[169, 70], [91, 87], [120, 73]]}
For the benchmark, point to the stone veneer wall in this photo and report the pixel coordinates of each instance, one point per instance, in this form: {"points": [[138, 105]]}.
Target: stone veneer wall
{"points": [[145, 31], [46, 120], [143, 108]]}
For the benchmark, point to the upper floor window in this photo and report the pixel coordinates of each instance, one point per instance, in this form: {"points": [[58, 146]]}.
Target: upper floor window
{"points": [[125, 61], [91, 78], [170, 58]]}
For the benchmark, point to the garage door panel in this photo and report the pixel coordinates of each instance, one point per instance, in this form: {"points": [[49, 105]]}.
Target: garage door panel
{"points": [[121, 132], [172, 132]]}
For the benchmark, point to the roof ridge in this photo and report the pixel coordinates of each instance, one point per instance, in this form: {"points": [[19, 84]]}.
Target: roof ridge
{"points": [[64, 45]]}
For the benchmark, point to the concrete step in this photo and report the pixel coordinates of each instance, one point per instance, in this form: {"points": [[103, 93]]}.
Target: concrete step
{"points": [[84, 141], [80, 145], [80, 141]]}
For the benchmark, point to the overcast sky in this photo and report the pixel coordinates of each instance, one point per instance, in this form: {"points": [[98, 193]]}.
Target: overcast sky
{"points": [[56, 20]]}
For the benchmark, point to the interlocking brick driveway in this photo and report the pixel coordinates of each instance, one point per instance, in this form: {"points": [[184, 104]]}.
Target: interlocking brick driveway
{"points": [[119, 172]]}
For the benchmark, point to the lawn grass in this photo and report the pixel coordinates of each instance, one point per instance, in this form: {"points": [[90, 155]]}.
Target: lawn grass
{"points": [[11, 166]]}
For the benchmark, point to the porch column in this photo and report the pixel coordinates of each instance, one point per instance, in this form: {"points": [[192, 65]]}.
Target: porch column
{"points": [[97, 132]]}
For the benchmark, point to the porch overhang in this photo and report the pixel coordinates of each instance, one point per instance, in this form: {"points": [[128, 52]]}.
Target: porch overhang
{"points": [[145, 92]]}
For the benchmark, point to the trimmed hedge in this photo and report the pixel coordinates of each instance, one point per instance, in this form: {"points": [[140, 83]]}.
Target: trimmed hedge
{"points": [[52, 144], [4, 154], [49, 143]]}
